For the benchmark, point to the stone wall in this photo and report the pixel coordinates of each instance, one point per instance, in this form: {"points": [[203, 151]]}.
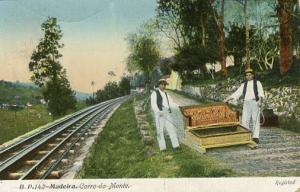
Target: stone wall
{"points": [[283, 100]]}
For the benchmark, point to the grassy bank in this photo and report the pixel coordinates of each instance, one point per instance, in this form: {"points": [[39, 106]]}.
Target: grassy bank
{"points": [[25, 120], [120, 153]]}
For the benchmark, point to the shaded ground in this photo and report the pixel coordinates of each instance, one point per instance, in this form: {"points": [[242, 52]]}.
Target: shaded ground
{"points": [[278, 153]]}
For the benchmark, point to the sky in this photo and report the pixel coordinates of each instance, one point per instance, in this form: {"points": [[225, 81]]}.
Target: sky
{"points": [[94, 33]]}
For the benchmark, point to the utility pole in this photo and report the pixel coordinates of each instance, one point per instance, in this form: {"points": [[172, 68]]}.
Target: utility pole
{"points": [[92, 84]]}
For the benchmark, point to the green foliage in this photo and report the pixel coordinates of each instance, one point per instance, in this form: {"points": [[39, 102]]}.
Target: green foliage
{"points": [[289, 123], [295, 27], [44, 60], [48, 72], [60, 96], [165, 66], [12, 93], [272, 77], [264, 50], [124, 86], [111, 90], [189, 25], [81, 105], [182, 20], [264, 46], [190, 61], [236, 43], [144, 52], [138, 80]]}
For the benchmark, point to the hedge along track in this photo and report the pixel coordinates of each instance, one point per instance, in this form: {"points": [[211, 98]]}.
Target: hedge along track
{"points": [[38, 156]]}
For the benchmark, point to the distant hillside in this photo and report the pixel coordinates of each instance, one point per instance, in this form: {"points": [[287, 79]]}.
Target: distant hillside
{"points": [[23, 84], [19, 93], [82, 96]]}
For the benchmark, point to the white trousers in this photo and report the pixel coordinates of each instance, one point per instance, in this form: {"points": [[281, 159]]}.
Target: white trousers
{"points": [[164, 123], [251, 116]]}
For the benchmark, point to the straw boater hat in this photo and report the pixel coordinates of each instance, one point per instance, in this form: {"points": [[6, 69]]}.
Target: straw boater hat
{"points": [[249, 70], [161, 81]]}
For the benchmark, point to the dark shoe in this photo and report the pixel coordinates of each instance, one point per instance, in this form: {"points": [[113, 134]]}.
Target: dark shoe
{"points": [[256, 140]]}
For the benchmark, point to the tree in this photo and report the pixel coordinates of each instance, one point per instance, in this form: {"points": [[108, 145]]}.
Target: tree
{"points": [[165, 65], [296, 28], [247, 35], [124, 86], [48, 72], [235, 43], [169, 21], [187, 23], [263, 46], [264, 49], [144, 53], [219, 20], [112, 90], [60, 97], [246, 25], [284, 10]]}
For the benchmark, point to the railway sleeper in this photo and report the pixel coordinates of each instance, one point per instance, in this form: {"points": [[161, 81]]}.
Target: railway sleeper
{"points": [[31, 162], [70, 151], [63, 161], [43, 152], [52, 145], [17, 175], [77, 144]]}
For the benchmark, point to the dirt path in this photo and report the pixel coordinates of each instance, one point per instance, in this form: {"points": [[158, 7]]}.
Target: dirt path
{"points": [[278, 153]]}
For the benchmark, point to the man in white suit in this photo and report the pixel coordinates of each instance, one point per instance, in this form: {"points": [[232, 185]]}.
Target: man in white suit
{"points": [[160, 103], [252, 93]]}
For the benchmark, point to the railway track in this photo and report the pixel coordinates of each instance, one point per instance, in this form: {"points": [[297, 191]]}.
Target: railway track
{"points": [[43, 154]]}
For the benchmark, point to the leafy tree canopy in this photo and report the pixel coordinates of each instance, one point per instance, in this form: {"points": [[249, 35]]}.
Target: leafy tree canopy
{"points": [[47, 71]]}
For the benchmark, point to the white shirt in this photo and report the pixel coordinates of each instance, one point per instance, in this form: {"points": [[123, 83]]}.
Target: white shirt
{"points": [[249, 91], [164, 101]]}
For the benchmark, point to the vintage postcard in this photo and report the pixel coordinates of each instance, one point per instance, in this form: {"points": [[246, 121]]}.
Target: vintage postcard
{"points": [[149, 95]]}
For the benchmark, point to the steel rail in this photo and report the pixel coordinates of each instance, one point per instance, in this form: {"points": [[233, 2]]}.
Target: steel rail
{"points": [[16, 146], [4, 151], [32, 171], [24, 152], [58, 130]]}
